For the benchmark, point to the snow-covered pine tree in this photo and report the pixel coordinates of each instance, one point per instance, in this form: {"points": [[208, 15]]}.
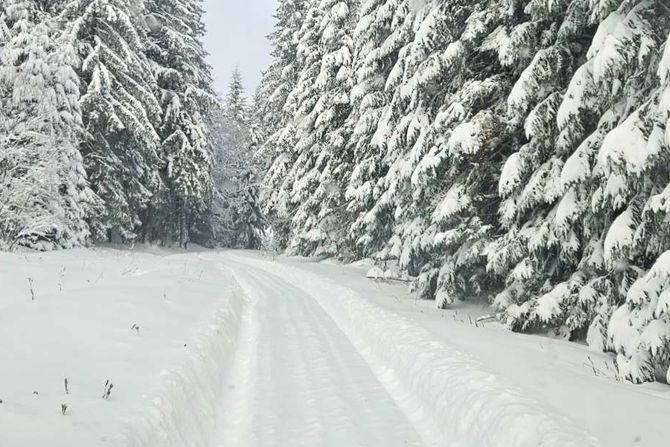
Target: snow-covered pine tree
{"points": [[380, 33], [280, 82], [318, 189], [296, 139], [237, 220], [248, 223], [280, 78], [259, 133], [4, 30], [120, 112], [374, 227], [44, 196], [391, 138], [451, 169], [236, 108], [632, 165], [540, 250], [180, 205], [442, 148], [580, 245]]}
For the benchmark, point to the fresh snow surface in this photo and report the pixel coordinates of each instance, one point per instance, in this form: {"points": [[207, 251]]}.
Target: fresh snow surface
{"points": [[167, 375], [241, 349]]}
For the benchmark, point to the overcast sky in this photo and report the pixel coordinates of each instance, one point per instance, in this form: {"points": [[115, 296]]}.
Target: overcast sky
{"points": [[236, 36]]}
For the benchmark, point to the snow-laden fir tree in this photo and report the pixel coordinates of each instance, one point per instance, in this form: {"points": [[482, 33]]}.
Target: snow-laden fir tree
{"points": [[276, 115], [237, 220], [374, 229], [380, 219], [632, 166], [280, 78], [120, 112], [325, 163], [44, 196], [450, 171], [380, 33], [179, 205], [540, 250], [437, 191], [580, 264], [235, 104], [293, 148]]}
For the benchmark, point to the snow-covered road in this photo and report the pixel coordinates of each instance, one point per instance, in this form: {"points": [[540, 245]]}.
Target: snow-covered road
{"points": [[319, 364], [298, 381], [240, 349]]}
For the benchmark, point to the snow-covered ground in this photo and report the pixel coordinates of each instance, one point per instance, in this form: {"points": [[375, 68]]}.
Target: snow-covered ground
{"points": [[167, 375], [240, 349]]}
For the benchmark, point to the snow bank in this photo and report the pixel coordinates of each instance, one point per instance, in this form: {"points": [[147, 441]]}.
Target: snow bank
{"points": [[451, 398], [184, 412], [167, 373]]}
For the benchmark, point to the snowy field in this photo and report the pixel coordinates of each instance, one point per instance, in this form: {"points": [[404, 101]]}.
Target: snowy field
{"points": [[237, 349]]}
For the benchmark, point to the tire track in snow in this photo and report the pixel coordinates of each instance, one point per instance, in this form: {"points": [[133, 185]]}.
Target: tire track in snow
{"points": [[238, 390], [301, 381], [451, 398]]}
